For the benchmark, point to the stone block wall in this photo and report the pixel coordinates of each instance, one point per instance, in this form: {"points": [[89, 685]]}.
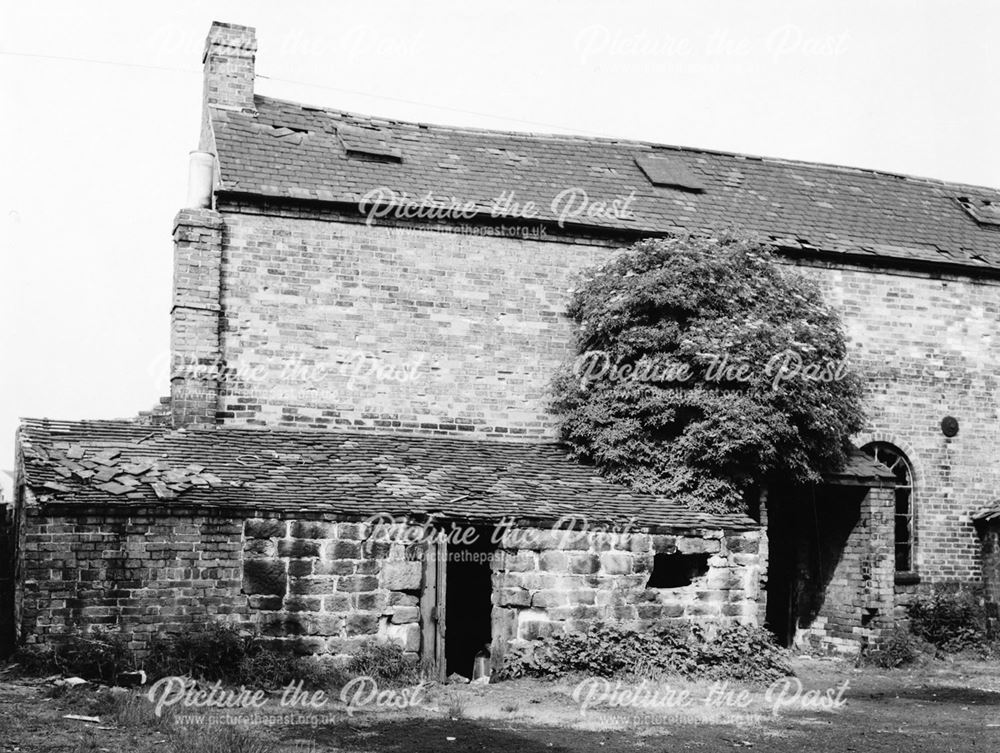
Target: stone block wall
{"points": [[324, 588], [549, 582]]}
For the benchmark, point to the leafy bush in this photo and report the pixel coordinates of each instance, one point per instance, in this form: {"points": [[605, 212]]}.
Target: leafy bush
{"points": [[694, 305], [383, 661], [735, 652], [951, 621], [741, 652], [895, 651]]}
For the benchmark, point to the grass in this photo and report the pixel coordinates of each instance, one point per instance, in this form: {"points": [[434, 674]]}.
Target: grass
{"points": [[456, 707], [224, 739]]}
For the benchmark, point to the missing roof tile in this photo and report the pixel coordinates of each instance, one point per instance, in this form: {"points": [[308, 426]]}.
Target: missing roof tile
{"points": [[368, 142], [983, 211], [668, 172]]}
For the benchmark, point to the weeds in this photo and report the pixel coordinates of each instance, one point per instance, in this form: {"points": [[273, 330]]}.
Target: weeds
{"points": [[736, 652], [383, 661], [897, 650], [220, 739]]}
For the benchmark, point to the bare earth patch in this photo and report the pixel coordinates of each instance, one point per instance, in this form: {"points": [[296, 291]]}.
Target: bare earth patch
{"points": [[938, 707]]}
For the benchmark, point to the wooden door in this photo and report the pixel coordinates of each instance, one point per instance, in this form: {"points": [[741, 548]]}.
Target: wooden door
{"points": [[432, 610]]}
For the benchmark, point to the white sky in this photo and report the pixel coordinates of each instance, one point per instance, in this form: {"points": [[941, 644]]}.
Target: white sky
{"points": [[94, 156]]}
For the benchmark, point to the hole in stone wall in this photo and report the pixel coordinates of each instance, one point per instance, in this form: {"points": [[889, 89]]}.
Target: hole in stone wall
{"points": [[676, 570]]}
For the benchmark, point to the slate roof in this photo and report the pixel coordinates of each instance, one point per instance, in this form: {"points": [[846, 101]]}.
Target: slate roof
{"points": [[349, 474], [989, 513], [862, 469], [294, 151]]}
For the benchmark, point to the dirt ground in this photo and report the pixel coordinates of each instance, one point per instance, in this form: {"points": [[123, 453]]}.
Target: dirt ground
{"points": [[938, 707]]}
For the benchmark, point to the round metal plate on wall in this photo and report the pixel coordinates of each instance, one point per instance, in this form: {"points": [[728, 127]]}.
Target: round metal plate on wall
{"points": [[949, 426]]}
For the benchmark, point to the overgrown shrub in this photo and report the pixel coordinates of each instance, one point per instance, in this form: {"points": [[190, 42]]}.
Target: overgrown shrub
{"points": [[735, 652], [383, 661], [704, 369], [741, 652], [951, 621]]}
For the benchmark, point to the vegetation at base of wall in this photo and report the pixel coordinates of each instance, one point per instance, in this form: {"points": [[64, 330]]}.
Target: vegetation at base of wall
{"points": [[215, 652], [705, 369], [383, 661], [951, 621], [735, 652], [898, 649], [943, 622], [236, 657], [99, 655]]}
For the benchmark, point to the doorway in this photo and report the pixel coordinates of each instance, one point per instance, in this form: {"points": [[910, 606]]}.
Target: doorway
{"points": [[808, 529], [468, 601], [7, 580], [457, 602]]}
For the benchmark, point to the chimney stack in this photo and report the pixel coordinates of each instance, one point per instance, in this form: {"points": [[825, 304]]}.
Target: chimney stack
{"points": [[229, 73], [229, 66]]}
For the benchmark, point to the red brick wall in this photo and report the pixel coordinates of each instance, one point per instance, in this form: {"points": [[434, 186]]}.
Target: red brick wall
{"points": [[478, 319], [479, 324], [149, 573], [930, 348]]}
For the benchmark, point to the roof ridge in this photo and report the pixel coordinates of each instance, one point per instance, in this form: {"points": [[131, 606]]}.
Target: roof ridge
{"points": [[272, 430], [556, 137]]}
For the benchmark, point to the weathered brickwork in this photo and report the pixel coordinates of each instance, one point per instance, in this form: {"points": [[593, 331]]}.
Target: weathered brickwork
{"points": [[470, 328], [555, 581], [991, 572], [847, 595], [152, 572], [928, 348], [194, 317], [335, 324], [323, 587]]}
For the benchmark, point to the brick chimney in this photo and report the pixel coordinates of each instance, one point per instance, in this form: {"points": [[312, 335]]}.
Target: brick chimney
{"points": [[195, 317], [229, 72]]}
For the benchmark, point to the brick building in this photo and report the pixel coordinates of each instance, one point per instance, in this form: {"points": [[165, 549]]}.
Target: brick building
{"points": [[345, 283]]}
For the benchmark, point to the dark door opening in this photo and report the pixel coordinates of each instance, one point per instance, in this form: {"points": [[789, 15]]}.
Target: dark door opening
{"points": [[807, 533], [7, 580], [781, 568], [468, 601]]}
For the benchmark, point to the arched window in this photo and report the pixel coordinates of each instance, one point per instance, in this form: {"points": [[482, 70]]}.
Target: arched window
{"points": [[891, 457]]}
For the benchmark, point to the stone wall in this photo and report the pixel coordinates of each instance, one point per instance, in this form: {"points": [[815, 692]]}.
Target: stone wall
{"points": [[549, 582], [322, 587]]}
